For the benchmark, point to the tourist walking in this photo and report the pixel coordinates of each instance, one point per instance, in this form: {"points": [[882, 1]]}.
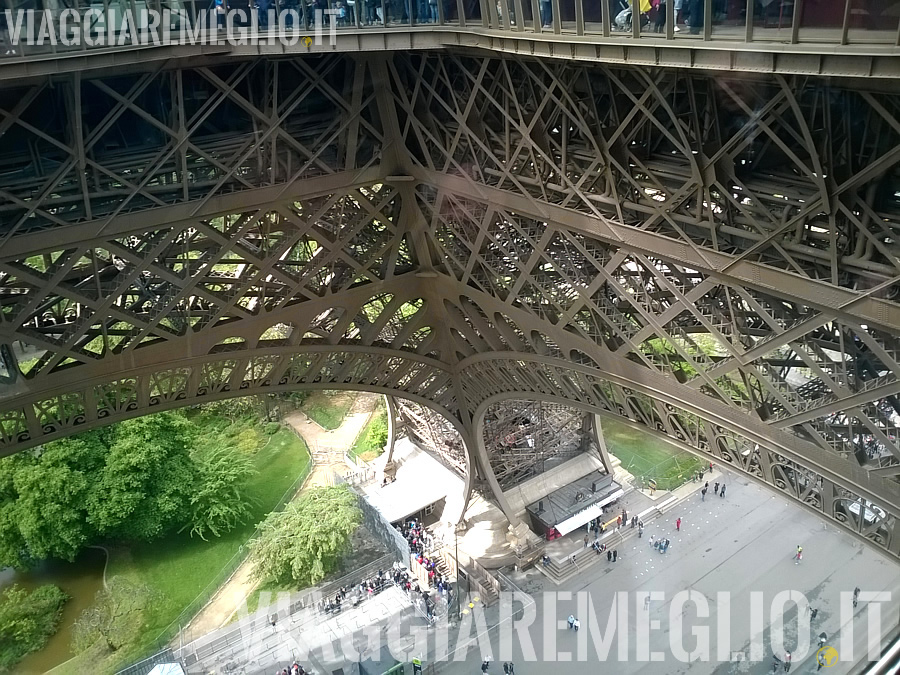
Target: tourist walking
{"points": [[722, 492], [678, 525], [703, 495], [855, 596], [640, 530], [716, 488], [576, 625], [618, 522], [571, 621], [585, 541], [799, 555], [647, 602], [787, 662]]}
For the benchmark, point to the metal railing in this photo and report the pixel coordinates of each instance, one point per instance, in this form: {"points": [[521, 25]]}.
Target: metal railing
{"points": [[89, 25]]}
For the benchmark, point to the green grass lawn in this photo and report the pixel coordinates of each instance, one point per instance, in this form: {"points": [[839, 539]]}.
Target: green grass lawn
{"points": [[370, 442], [328, 408], [647, 456], [177, 568]]}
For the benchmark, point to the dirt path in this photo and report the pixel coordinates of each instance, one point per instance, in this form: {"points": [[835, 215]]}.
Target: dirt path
{"points": [[327, 449]]}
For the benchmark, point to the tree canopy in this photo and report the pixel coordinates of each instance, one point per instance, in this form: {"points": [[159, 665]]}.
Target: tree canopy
{"points": [[217, 502], [27, 620], [114, 618], [306, 541], [133, 481]]}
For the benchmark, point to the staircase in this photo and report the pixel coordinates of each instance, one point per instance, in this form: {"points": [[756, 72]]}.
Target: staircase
{"points": [[560, 571]]}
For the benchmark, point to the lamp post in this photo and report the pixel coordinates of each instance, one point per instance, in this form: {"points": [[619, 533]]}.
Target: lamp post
{"points": [[456, 561]]}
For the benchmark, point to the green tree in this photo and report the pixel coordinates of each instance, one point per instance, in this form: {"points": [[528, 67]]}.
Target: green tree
{"points": [[217, 502], [43, 496], [147, 479], [131, 481], [306, 541], [27, 620], [247, 441], [114, 619], [378, 432]]}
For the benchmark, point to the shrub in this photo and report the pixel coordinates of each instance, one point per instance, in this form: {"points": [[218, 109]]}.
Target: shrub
{"points": [[27, 621]]}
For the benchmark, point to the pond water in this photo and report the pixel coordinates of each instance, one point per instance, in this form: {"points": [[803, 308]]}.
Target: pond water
{"points": [[80, 580]]}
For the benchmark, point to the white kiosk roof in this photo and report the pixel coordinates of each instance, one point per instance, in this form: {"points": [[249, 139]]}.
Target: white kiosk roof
{"points": [[588, 514], [421, 480]]}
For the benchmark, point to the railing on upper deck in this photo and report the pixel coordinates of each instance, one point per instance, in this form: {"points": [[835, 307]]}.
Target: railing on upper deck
{"points": [[841, 22]]}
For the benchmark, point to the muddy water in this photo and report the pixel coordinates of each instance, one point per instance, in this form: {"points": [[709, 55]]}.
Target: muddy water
{"points": [[80, 580]]}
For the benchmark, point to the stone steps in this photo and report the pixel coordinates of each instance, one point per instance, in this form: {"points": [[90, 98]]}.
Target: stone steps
{"points": [[560, 571]]}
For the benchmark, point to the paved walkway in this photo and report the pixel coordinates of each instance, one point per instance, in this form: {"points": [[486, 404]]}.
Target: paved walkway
{"points": [[253, 644], [327, 449]]}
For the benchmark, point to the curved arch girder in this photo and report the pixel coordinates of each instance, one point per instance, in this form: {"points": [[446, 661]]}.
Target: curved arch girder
{"points": [[36, 419]]}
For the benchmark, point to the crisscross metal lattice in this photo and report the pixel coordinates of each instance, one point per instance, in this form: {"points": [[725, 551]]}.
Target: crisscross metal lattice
{"points": [[495, 241]]}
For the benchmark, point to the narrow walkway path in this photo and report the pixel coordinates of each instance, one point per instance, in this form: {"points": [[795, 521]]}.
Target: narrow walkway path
{"points": [[327, 449]]}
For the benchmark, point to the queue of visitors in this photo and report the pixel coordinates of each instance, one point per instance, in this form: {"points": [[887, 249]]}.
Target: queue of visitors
{"points": [[356, 592], [420, 543], [294, 669]]}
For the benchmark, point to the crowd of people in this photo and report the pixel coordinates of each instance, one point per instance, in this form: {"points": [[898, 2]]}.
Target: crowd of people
{"points": [[420, 543], [356, 592], [416, 536], [688, 13], [294, 669]]}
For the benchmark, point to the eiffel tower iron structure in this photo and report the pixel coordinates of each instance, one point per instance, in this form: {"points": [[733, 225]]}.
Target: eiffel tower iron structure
{"points": [[490, 239]]}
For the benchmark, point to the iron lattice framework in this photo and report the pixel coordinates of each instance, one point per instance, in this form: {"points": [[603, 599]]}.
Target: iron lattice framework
{"points": [[525, 438], [713, 257]]}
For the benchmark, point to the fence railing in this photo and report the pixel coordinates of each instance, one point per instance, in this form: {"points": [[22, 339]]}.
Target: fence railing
{"points": [[148, 664], [836, 22]]}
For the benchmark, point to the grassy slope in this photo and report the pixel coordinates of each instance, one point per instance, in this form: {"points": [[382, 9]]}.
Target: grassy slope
{"points": [[328, 408], [177, 568], [363, 446]]}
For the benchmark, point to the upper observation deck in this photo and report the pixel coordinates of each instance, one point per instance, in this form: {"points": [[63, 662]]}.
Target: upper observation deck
{"points": [[847, 38]]}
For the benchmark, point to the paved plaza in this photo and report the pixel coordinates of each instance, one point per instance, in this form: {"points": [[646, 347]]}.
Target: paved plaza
{"points": [[741, 544]]}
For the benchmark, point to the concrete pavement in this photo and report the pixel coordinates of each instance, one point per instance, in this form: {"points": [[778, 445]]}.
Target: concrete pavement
{"points": [[741, 545]]}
